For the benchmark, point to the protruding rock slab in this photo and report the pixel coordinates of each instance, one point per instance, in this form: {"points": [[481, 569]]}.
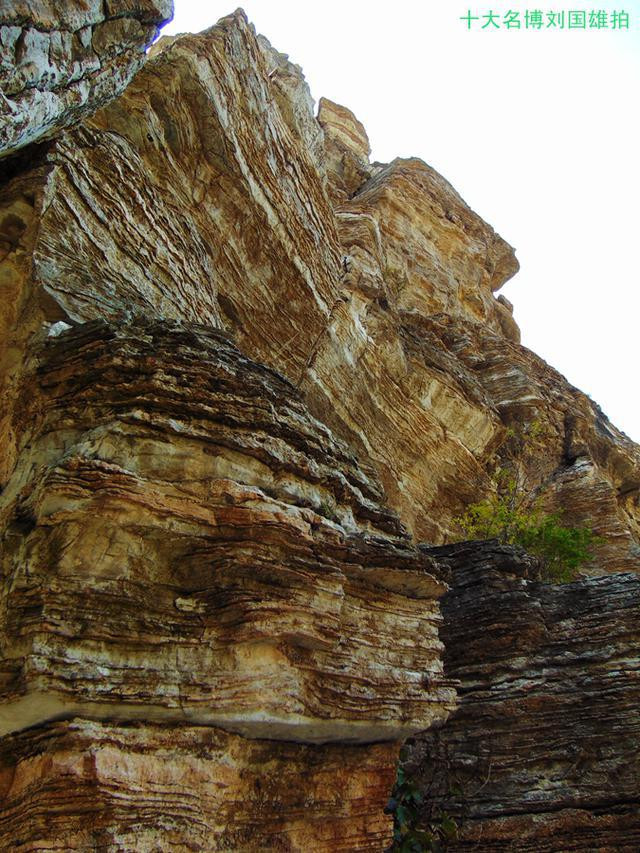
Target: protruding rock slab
{"points": [[347, 149], [61, 61], [84, 785], [183, 541], [543, 753]]}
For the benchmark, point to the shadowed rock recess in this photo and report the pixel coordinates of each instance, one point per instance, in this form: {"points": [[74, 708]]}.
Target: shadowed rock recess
{"points": [[542, 753], [244, 371]]}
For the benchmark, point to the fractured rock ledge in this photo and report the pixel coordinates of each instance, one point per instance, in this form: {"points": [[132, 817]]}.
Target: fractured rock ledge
{"points": [[61, 61]]}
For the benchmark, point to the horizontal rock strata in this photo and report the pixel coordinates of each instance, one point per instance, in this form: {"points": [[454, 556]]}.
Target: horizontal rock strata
{"points": [[241, 366], [86, 785], [543, 753], [62, 61], [182, 541]]}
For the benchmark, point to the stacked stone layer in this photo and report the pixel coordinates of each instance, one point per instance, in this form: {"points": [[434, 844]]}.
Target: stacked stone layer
{"points": [[542, 753], [88, 785], [184, 544]]}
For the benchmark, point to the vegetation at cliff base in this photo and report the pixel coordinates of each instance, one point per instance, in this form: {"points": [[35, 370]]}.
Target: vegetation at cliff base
{"points": [[410, 834]]}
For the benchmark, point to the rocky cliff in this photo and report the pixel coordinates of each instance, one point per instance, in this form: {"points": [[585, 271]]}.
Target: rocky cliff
{"points": [[542, 752], [244, 371]]}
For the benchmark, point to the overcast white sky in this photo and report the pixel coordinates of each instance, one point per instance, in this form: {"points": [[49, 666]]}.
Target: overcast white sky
{"points": [[538, 131]]}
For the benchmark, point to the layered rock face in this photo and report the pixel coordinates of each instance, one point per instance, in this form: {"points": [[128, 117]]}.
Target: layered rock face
{"points": [[542, 753], [183, 543], [230, 225], [370, 286], [88, 785], [241, 367], [433, 359], [61, 61]]}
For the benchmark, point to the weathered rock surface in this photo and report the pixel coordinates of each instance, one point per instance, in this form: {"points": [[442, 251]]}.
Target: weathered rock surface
{"points": [[182, 541], [434, 368], [542, 754], [230, 225], [59, 62], [346, 149], [210, 603], [87, 785], [370, 286]]}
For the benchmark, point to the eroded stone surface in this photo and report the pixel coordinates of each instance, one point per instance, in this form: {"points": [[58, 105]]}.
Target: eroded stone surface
{"points": [[189, 542], [62, 61], [543, 752], [370, 286], [183, 541], [346, 149], [84, 785], [576, 461], [230, 226]]}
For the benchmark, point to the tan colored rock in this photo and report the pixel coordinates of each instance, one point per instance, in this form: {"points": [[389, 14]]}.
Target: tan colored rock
{"points": [[346, 149], [293, 96], [254, 248], [229, 226], [439, 255], [62, 61], [88, 785], [183, 542], [579, 464], [434, 371], [360, 305], [205, 542]]}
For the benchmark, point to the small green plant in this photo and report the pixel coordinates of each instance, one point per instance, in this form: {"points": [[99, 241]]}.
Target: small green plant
{"points": [[408, 834], [505, 516], [514, 514], [329, 510]]}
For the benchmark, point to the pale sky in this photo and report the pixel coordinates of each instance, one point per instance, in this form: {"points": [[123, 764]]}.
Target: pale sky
{"points": [[538, 130]]}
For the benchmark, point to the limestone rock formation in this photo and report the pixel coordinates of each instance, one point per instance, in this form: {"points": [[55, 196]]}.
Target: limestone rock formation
{"points": [[231, 225], [89, 785], [59, 62], [370, 286], [183, 541], [439, 371], [243, 371], [542, 754], [183, 544], [346, 149]]}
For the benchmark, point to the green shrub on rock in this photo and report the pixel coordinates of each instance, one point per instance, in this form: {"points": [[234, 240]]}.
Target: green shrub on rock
{"points": [[562, 549]]}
